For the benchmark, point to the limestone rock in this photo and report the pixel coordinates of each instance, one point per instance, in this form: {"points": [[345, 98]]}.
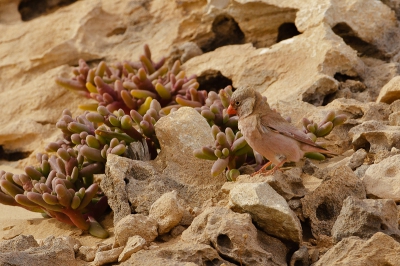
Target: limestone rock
{"points": [[390, 92], [235, 237], [382, 180], [380, 249], [107, 256], [19, 243], [375, 135], [87, 253], [364, 218], [114, 186], [286, 80], [322, 206], [135, 224], [180, 133], [134, 244], [288, 184], [178, 253], [268, 210], [167, 212], [53, 251]]}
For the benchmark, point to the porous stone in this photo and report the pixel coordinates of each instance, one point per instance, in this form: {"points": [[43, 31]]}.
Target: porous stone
{"points": [[167, 212], [288, 184], [134, 244], [19, 243], [376, 136], [277, 75], [87, 253], [268, 209], [135, 224], [177, 253], [107, 256], [364, 218], [322, 206], [235, 237], [53, 251], [380, 249], [114, 186], [382, 180]]}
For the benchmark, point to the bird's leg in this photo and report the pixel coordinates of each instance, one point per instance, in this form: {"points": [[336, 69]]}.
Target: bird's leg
{"points": [[262, 169], [272, 171]]}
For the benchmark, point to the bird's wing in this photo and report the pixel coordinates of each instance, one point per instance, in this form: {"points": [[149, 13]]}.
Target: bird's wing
{"points": [[275, 122]]}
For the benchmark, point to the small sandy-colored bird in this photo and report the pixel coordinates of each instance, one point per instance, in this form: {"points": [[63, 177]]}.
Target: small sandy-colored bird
{"points": [[267, 132]]}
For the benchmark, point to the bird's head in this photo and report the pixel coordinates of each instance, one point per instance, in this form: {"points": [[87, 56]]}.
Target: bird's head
{"points": [[242, 102]]}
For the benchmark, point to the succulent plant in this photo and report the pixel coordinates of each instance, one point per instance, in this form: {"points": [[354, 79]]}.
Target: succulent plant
{"points": [[57, 188], [133, 85]]}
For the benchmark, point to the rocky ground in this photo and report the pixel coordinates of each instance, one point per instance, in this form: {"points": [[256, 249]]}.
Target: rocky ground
{"points": [[307, 57]]}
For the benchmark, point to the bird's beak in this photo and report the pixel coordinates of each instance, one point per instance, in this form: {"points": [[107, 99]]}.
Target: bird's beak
{"points": [[231, 111]]}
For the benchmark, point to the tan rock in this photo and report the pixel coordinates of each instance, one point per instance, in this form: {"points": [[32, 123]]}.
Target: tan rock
{"points": [[180, 133], [390, 92], [113, 184], [303, 77], [53, 251], [134, 244], [382, 180], [107, 256], [380, 249], [135, 224], [267, 208], [167, 212], [177, 253], [235, 237], [364, 218], [322, 206], [375, 136]]}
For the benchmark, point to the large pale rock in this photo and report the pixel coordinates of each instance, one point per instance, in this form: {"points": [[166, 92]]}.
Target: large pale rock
{"points": [[267, 208], [380, 249], [390, 92], [19, 243], [134, 244], [322, 206], [53, 251], [107, 256], [375, 136], [135, 224], [167, 212], [287, 80], [235, 237], [364, 218], [180, 133], [382, 180], [113, 184], [177, 253]]}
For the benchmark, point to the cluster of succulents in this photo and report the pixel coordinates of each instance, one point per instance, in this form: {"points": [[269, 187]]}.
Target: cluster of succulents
{"points": [[59, 187], [131, 97], [133, 85]]}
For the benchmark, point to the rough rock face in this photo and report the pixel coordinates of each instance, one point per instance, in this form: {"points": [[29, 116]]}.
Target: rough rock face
{"points": [[235, 237], [179, 253], [268, 210], [24, 251], [381, 180], [323, 205], [363, 218], [380, 249]]}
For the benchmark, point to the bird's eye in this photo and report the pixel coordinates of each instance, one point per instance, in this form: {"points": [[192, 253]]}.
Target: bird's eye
{"points": [[237, 103]]}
